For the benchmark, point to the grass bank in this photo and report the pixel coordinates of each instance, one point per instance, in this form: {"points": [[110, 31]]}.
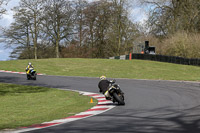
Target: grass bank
{"points": [[135, 69], [25, 105]]}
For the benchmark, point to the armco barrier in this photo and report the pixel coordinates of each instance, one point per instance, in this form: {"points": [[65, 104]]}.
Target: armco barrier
{"points": [[161, 58]]}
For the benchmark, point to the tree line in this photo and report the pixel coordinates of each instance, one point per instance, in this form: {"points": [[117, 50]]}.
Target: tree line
{"points": [[174, 26], [100, 29], [70, 28], [170, 16]]}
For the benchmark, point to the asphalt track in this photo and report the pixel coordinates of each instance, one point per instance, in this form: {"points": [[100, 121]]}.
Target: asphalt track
{"points": [[151, 106]]}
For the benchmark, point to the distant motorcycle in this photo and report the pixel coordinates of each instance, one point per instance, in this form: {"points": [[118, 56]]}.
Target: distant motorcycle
{"points": [[32, 74], [116, 94]]}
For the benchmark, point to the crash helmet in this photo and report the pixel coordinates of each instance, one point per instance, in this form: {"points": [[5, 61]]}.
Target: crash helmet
{"points": [[103, 78], [29, 63]]}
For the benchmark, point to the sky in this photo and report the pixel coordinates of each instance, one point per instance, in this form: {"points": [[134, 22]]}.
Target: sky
{"points": [[5, 21], [137, 14]]}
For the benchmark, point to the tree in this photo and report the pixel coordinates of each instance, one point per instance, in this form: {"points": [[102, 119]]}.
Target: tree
{"points": [[58, 21], [19, 32], [34, 9], [102, 25], [2, 9], [171, 16], [117, 21], [25, 27], [80, 19], [90, 21], [95, 29], [109, 31], [122, 31]]}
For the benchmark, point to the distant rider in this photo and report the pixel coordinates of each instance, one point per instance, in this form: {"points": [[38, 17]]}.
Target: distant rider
{"points": [[29, 67]]}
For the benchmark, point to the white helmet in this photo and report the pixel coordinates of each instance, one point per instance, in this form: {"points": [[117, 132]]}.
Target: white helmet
{"points": [[103, 77], [29, 63]]}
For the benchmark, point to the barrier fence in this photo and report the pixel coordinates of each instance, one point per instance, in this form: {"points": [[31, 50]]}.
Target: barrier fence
{"points": [[160, 58]]}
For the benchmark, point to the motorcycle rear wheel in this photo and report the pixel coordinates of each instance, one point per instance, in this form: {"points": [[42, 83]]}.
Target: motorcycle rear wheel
{"points": [[118, 99]]}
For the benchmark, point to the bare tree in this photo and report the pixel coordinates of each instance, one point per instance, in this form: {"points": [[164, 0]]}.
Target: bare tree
{"points": [[81, 5], [110, 32], [171, 16], [58, 21], [2, 9], [34, 7], [90, 21], [19, 32], [102, 27]]}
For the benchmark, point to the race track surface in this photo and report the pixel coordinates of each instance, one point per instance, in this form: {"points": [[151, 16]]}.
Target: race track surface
{"points": [[151, 106]]}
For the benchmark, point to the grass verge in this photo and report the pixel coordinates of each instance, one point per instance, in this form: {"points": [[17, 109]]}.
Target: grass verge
{"points": [[25, 105], [134, 69]]}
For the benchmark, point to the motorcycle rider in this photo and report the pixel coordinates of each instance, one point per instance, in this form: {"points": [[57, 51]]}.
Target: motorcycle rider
{"points": [[29, 67], [104, 86]]}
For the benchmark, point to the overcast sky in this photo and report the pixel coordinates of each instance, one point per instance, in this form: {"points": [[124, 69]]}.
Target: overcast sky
{"points": [[137, 15], [5, 22]]}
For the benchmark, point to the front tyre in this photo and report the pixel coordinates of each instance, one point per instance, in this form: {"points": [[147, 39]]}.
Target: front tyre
{"points": [[28, 77], [119, 99], [34, 76]]}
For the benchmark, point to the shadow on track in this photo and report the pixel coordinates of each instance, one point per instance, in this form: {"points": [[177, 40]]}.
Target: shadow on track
{"points": [[160, 120]]}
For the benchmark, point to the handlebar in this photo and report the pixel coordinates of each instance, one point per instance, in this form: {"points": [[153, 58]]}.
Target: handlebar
{"points": [[112, 81]]}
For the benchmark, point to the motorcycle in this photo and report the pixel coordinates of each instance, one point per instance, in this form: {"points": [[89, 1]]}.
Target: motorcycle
{"points": [[116, 94], [31, 74]]}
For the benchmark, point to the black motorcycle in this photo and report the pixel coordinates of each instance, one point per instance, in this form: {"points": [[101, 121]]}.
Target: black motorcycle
{"points": [[32, 74], [116, 94]]}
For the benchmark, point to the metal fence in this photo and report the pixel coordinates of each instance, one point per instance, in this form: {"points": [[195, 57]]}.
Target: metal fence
{"points": [[161, 58]]}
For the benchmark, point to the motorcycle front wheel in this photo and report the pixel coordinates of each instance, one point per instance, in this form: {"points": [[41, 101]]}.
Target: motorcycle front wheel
{"points": [[28, 77], [34, 76]]}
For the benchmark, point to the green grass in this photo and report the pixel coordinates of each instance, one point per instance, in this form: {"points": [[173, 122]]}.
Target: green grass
{"points": [[25, 105], [134, 69]]}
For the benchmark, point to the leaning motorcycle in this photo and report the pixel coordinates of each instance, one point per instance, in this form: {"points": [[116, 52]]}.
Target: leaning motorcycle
{"points": [[116, 94], [32, 74]]}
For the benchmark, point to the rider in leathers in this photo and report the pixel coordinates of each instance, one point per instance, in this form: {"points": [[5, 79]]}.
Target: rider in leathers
{"points": [[104, 85], [28, 67]]}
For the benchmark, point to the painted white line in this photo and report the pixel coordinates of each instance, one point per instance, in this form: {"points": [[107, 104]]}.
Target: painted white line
{"points": [[107, 102], [96, 107], [15, 72], [62, 120], [101, 99], [8, 71], [93, 113]]}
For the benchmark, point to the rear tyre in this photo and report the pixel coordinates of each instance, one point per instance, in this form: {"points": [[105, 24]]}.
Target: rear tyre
{"points": [[118, 99]]}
